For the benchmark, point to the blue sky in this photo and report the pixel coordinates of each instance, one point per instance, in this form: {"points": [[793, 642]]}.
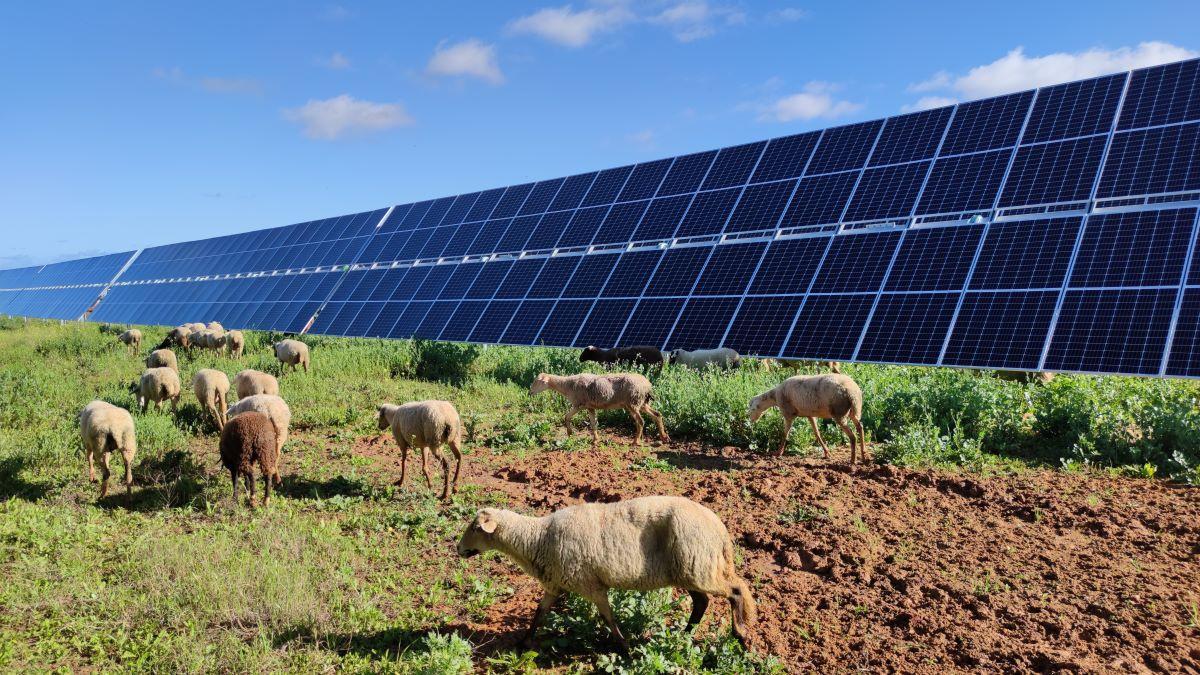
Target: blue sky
{"points": [[126, 125]]}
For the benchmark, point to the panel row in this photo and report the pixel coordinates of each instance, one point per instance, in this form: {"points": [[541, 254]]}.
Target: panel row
{"points": [[58, 303], [95, 270]]}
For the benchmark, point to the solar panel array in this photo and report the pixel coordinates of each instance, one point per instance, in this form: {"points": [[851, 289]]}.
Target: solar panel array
{"points": [[62, 290], [1051, 229]]}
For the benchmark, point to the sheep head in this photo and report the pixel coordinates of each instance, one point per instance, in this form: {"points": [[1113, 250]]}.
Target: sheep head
{"points": [[589, 353], [760, 404], [478, 537], [540, 383], [385, 415], [674, 357]]}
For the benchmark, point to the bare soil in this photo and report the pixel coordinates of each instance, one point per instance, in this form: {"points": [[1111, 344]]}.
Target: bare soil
{"points": [[883, 569]]}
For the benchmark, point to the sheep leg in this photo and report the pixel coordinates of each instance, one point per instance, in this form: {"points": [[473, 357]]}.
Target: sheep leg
{"points": [[549, 597], [699, 607], [457, 450], [567, 418], [849, 434], [862, 439], [403, 464], [175, 406], [658, 420], [233, 475], [249, 478], [787, 430], [128, 456], [600, 599], [817, 433], [104, 474], [595, 428], [266, 488], [638, 424], [425, 467], [445, 473], [91, 465]]}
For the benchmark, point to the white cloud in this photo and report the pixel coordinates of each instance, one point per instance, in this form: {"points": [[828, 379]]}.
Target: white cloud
{"points": [[695, 19], [939, 80], [816, 100], [928, 102], [567, 27], [344, 115], [215, 85], [469, 58], [335, 61], [644, 138], [787, 15]]}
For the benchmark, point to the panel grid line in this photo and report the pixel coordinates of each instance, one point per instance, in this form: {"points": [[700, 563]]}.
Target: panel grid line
{"points": [[1184, 279]]}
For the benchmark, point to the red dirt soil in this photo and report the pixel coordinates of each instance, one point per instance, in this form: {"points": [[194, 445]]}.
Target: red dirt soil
{"points": [[883, 569]]}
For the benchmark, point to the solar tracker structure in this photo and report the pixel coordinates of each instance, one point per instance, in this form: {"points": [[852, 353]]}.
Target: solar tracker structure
{"points": [[1053, 229]]}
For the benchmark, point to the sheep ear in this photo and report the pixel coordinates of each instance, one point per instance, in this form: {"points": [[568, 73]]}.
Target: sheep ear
{"points": [[487, 523]]}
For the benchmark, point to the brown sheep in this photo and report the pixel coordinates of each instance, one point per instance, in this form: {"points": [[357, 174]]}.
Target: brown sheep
{"points": [[248, 440], [834, 397]]}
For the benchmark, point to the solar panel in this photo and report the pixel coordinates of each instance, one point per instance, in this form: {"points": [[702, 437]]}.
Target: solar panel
{"points": [[1047, 229]]}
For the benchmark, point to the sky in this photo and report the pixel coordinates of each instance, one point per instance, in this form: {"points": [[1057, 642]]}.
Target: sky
{"points": [[133, 124]]}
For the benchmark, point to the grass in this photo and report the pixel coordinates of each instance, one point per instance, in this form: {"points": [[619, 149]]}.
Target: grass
{"points": [[345, 572]]}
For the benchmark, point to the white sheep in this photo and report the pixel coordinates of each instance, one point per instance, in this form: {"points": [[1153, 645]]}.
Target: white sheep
{"points": [[105, 429], [292, 353], [163, 358], [193, 327], [724, 358], [641, 544], [250, 382], [212, 392], [603, 392], [834, 397], [235, 342], [426, 425], [273, 407], [132, 338], [215, 327], [158, 385]]}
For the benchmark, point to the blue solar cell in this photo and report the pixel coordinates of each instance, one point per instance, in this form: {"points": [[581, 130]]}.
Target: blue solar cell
{"points": [[607, 185], [511, 202], [438, 239], [493, 321], [457, 212], [644, 181], [432, 285], [517, 234], [540, 197], [361, 324], [702, 323], [1001, 330], [820, 199], [413, 245], [572, 192], [733, 165], [987, 124], [911, 137], [461, 241], [661, 218], [1075, 109], [564, 321], [489, 279], [651, 322], [964, 183], [677, 273], [413, 278], [1026, 254], [934, 259], [1162, 95], [686, 173], [1121, 331], [460, 281], [362, 291], [583, 226], [786, 157], [844, 147], [888, 192], [856, 263], [1053, 172], [435, 320], [631, 273], [1139, 248], [520, 278], [761, 207], [414, 216], [484, 204], [410, 320], [619, 224], [708, 213], [762, 324], [828, 327], [605, 323], [729, 269], [433, 217], [1166, 159], [324, 319], [462, 321], [1185, 346], [789, 265], [908, 327], [549, 229], [590, 275], [489, 237], [554, 277], [389, 314], [527, 322]]}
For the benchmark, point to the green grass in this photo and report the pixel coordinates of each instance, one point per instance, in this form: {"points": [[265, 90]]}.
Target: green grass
{"points": [[345, 572]]}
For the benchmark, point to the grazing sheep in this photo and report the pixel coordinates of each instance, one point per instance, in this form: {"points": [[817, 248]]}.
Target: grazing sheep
{"points": [[190, 327], [825, 396], [292, 353], [641, 544], [1039, 377], [176, 337], [603, 392], [724, 358], [249, 440], [215, 327], [105, 428], [250, 382], [162, 358], [132, 338], [212, 392], [271, 406], [632, 356], [235, 342], [157, 385], [426, 425]]}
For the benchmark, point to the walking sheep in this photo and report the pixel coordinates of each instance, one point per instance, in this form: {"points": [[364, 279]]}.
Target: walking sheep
{"points": [[248, 440], [212, 392], [832, 397], [132, 338], [630, 356], [105, 429], [274, 408], [250, 382], [603, 392], [163, 358], [724, 358], [292, 353], [158, 385], [426, 425], [641, 544]]}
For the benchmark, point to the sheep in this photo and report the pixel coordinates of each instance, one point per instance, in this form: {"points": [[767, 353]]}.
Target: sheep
{"points": [[247, 440], [235, 342], [176, 337], [633, 356], [193, 326], [250, 382], [273, 407], [158, 385], [422, 425], [212, 391], [640, 544], [105, 428], [132, 338], [215, 327], [292, 353], [724, 358], [603, 392], [800, 364], [832, 397], [162, 358]]}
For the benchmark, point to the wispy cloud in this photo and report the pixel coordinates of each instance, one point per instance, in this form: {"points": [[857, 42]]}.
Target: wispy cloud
{"points": [[469, 58], [335, 61], [695, 19], [645, 139], [816, 100], [344, 116], [787, 15], [337, 12], [686, 20], [928, 102], [209, 83], [568, 27]]}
